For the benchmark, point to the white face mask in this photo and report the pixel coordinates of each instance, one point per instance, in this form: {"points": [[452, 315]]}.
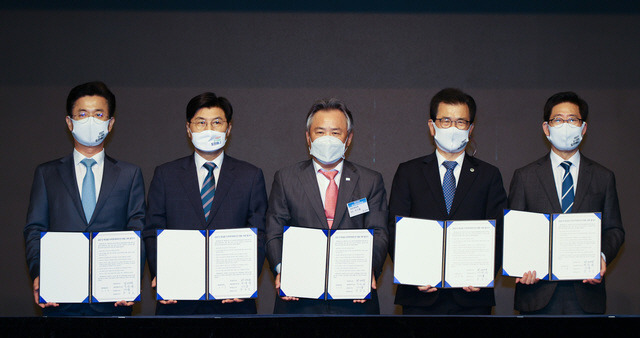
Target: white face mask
{"points": [[208, 140], [565, 137], [90, 131], [451, 140], [327, 149]]}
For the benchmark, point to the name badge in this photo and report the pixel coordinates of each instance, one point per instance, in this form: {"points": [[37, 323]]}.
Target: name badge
{"points": [[358, 207]]}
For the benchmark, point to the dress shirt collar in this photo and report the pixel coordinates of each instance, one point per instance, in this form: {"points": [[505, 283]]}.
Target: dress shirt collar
{"points": [[317, 167], [99, 157], [441, 159], [556, 159], [200, 161]]}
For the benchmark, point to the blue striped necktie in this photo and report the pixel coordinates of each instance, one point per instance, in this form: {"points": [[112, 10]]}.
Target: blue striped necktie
{"points": [[449, 184], [567, 188], [88, 189], [208, 189]]}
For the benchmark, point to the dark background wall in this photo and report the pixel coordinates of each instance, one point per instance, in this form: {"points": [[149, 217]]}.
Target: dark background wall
{"points": [[273, 61]]}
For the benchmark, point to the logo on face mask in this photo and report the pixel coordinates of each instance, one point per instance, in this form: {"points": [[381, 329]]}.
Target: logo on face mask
{"points": [[451, 140], [327, 149], [565, 137], [90, 131], [208, 140]]}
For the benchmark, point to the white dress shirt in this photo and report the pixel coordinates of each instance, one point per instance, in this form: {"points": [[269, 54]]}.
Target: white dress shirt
{"points": [[323, 181], [443, 170], [81, 170], [558, 171], [203, 172]]}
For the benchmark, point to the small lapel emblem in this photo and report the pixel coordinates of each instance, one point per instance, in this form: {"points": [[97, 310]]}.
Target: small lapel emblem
{"points": [[347, 179], [471, 170]]}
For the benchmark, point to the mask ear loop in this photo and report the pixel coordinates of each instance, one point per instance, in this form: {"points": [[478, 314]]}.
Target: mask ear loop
{"points": [[474, 146]]}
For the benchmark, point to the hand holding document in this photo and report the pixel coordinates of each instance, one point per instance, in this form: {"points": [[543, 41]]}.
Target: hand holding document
{"points": [[326, 264], [205, 265], [452, 254], [67, 277], [554, 247]]}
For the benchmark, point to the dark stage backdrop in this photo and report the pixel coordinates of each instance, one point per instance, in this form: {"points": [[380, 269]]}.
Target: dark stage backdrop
{"points": [[273, 65]]}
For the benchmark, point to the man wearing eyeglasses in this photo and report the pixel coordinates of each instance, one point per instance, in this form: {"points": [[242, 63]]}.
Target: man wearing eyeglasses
{"points": [[566, 181], [86, 191], [447, 185], [206, 190]]}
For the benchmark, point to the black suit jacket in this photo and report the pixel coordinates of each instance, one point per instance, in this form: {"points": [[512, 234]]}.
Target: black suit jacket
{"points": [[175, 203], [295, 201], [533, 189], [417, 192], [55, 205]]}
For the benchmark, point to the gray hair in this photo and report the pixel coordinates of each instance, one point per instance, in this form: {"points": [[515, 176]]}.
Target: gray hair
{"points": [[330, 104]]}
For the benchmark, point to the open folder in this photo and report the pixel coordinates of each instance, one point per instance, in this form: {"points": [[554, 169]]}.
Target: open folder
{"points": [[326, 264], [89, 267], [556, 246], [451, 254], [207, 264]]}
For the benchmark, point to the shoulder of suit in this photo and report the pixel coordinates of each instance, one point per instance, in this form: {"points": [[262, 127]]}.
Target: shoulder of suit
{"points": [[121, 164], [478, 163], [594, 165], [54, 163], [360, 169], [535, 164], [295, 168], [239, 164], [418, 161]]}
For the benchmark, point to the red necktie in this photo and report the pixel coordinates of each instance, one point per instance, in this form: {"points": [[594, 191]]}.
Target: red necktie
{"points": [[331, 197]]}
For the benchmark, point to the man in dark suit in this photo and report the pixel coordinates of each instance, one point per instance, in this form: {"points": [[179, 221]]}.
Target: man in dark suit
{"points": [[206, 190], [85, 191], [567, 181], [447, 185], [315, 193]]}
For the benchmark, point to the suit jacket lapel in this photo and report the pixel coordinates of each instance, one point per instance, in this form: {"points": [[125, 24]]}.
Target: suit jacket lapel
{"points": [[110, 175], [345, 192], [467, 177], [545, 175], [224, 184], [189, 179], [432, 176], [309, 183], [67, 172], [584, 179]]}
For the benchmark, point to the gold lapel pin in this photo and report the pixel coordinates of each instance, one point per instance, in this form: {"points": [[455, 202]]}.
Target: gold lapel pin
{"points": [[472, 170]]}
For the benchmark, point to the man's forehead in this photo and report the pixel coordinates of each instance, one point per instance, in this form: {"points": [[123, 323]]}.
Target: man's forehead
{"points": [[565, 108], [331, 115], [93, 99], [450, 108]]}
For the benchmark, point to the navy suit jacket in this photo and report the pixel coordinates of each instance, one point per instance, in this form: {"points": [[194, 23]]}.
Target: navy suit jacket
{"points": [[175, 203], [533, 189], [55, 204], [417, 192], [295, 201]]}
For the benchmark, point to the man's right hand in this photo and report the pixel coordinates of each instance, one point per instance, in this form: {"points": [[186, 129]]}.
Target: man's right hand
{"points": [[277, 283], [36, 294], [528, 278], [169, 301], [427, 289]]}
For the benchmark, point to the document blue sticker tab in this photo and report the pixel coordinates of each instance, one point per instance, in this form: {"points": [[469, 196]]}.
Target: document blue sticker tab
{"points": [[358, 207]]}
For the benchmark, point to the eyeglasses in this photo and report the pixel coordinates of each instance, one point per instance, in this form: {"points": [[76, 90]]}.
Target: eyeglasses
{"points": [[446, 122], [574, 121], [84, 114], [201, 125]]}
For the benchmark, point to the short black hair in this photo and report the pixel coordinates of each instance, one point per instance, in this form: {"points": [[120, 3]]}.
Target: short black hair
{"points": [[563, 97], [330, 104], [209, 100], [95, 88], [452, 96]]}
